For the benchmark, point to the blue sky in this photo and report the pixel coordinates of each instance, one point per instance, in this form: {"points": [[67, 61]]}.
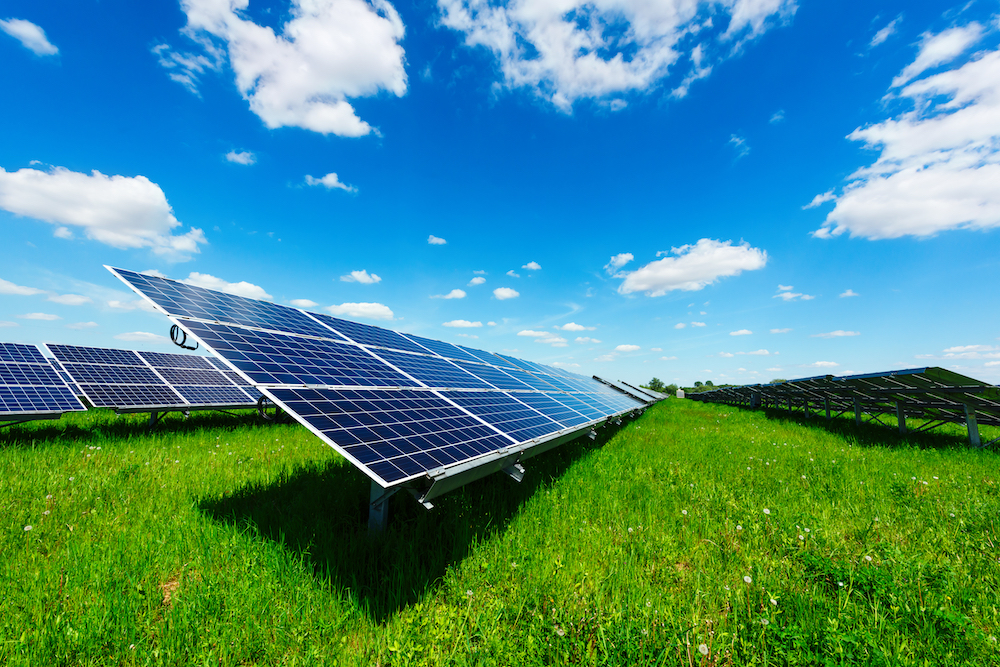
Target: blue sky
{"points": [[729, 191]]}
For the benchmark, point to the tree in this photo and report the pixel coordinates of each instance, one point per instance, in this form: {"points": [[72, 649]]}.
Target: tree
{"points": [[778, 380], [656, 384], [698, 383], [708, 383], [671, 388]]}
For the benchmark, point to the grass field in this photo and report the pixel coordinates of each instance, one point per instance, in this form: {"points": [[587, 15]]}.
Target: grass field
{"points": [[696, 535]]}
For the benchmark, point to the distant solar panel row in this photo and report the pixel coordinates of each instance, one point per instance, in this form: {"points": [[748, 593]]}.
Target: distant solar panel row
{"points": [[127, 380], [30, 388], [397, 405]]}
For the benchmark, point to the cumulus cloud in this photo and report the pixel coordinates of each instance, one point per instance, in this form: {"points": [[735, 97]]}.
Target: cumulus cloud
{"points": [[363, 310], [553, 340], [618, 261], [788, 295], [462, 324], [243, 157], [741, 332], [503, 293], [563, 364], [478, 280], [573, 326], [693, 267], [82, 325], [823, 364], [726, 354], [680, 325], [939, 161], [848, 293], [303, 303], [30, 35], [361, 276], [328, 52], [454, 294], [759, 353], [577, 50], [142, 337], [668, 358], [120, 211], [331, 182], [532, 266], [698, 324], [435, 240], [839, 333], [965, 352], [241, 288], [627, 348], [47, 317], [7, 287], [533, 334], [586, 339], [512, 274]]}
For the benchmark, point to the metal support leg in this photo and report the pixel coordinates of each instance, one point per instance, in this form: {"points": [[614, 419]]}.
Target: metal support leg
{"points": [[378, 508], [826, 403], [973, 426], [901, 416], [153, 418], [805, 404], [789, 406], [857, 411]]}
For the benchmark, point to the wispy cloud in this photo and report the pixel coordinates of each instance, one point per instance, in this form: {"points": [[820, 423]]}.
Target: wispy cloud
{"points": [[436, 240], [361, 276], [839, 333], [462, 324]]}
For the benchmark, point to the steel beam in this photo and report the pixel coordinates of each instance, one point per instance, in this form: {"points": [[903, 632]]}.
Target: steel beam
{"points": [[972, 425]]}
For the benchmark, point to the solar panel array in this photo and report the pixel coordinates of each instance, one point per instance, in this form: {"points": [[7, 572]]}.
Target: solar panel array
{"points": [[933, 394], [30, 388], [132, 381], [405, 409]]}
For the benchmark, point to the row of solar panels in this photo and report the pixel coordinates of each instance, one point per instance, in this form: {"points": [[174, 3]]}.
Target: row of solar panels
{"points": [[933, 394], [33, 386], [405, 409]]}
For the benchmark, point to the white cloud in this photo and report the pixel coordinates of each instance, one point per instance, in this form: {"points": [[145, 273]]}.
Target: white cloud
{"points": [[939, 162], [573, 326], [726, 354], [778, 116], [680, 325], [586, 339], [7, 287], [533, 334], [154, 272], [966, 352], [693, 268], [241, 288], [329, 51], [605, 357], [503, 293], [741, 146], [465, 335], [135, 304], [121, 211], [454, 294], [331, 181], [462, 324], [848, 293], [819, 200], [243, 157], [512, 274], [4, 325], [532, 266], [618, 261], [668, 358], [63, 233], [698, 324], [656, 349], [885, 33], [40, 316], [785, 288], [741, 332], [491, 324], [792, 296], [479, 272], [478, 280], [436, 240], [364, 310], [553, 340], [70, 299], [780, 331], [759, 353], [992, 363], [823, 364], [839, 333], [142, 337], [82, 325], [30, 35], [361, 276], [568, 51], [303, 303], [627, 348], [562, 364]]}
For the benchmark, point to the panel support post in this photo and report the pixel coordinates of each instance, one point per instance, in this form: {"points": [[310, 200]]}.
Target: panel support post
{"points": [[901, 416], [826, 403], [805, 403], [857, 411], [973, 426], [153, 418], [755, 399], [378, 509], [789, 405]]}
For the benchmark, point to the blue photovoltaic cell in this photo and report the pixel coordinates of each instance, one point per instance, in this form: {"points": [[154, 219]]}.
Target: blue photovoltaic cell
{"points": [[505, 413], [432, 371], [522, 364], [494, 376], [559, 382], [584, 408], [532, 380], [29, 385], [190, 301], [396, 434], [212, 395], [444, 349], [488, 358], [94, 355], [218, 363], [365, 334], [547, 405], [29, 374], [130, 395], [107, 374], [269, 358], [20, 353], [165, 360], [193, 376]]}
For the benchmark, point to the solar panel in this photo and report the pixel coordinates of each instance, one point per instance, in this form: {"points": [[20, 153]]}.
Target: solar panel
{"points": [[404, 409], [131, 381], [30, 387], [626, 389]]}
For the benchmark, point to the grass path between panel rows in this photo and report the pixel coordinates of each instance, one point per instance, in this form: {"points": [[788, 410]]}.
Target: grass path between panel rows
{"points": [[695, 535]]}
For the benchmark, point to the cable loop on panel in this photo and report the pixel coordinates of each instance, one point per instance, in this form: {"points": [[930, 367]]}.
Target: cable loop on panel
{"points": [[177, 333]]}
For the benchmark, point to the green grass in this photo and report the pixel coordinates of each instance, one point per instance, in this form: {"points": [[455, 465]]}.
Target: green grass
{"points": [[221, 540]]}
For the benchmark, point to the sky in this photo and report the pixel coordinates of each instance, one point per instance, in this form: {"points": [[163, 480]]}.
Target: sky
{"points": [[730, 191]]}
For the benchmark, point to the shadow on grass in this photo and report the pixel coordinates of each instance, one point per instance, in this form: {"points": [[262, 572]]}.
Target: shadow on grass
{"points": [[321, 512], [103, 425]]}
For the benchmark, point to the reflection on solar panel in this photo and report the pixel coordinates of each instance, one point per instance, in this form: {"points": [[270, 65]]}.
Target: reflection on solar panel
{"points": [[408, 411], [130, 381], [30, 388], [627, 390], [933, 395]]}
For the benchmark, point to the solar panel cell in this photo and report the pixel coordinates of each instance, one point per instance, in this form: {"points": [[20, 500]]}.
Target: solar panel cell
{"points": [[444, 349], [365, 334], [432, 371], [505, 413], [549, 406]]}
